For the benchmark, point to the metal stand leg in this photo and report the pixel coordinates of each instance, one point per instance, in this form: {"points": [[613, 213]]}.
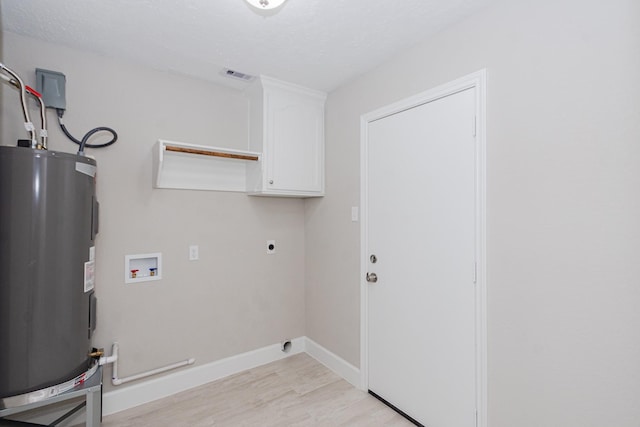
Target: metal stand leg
{"points": [[94, 408]]}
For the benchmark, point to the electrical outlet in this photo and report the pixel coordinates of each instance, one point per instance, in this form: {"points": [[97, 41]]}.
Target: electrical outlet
{"points": [[271, 247], [194, 253]]}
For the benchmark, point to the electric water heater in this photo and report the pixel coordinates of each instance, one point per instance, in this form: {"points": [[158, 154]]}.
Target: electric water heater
{"points": [[48, 223]]}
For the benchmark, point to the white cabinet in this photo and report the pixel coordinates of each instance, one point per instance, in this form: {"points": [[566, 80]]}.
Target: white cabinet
{"points": [[286, 125]]}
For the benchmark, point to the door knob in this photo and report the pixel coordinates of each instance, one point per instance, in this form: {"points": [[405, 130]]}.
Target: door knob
{"points": [[372, 277]]}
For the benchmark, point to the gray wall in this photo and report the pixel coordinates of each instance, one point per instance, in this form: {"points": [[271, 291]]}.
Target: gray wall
{"points": [[236, 298], [563, 205]]}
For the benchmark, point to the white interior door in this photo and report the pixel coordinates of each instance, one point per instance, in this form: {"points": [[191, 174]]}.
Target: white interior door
{"points": [[421, 227]]}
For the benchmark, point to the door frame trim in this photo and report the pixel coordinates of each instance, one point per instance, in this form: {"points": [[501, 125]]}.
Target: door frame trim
{"points": [[475, 80]]}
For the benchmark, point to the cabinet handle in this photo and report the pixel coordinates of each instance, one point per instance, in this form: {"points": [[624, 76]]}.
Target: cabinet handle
{"points": [[270, 181]]}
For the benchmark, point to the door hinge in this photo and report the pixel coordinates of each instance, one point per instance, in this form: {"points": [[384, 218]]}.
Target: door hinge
{"points": [[474, 129]]}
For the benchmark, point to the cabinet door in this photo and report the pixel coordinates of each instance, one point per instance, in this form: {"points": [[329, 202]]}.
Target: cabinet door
{"points": [[295, 144]]}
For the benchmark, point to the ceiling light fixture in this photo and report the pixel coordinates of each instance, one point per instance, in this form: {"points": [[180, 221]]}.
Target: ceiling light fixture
{"points": [[266, 4]]}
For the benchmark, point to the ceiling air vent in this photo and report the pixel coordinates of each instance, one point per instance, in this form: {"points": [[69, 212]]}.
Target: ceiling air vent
{"points": [[237, 75]]}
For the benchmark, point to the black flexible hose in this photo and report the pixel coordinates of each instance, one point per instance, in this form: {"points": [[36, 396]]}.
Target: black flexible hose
{"points": [[83, 143]]}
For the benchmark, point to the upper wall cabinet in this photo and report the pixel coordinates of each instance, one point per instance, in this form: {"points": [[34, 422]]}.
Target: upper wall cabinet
{"points": [[286, 125]]}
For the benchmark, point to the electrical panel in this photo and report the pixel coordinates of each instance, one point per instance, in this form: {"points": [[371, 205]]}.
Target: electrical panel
{"points": [[52, 86]]}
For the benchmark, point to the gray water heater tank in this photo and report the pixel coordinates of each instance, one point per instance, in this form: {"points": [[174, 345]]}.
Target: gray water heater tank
{"points": [[48, 224]]}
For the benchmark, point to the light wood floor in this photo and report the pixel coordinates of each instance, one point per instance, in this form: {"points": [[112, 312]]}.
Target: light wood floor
{"points": [[296, 391]]}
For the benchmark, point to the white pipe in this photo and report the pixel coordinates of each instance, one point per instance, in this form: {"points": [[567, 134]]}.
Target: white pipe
{"points": [[23, 99], [44, 135], [43, 115], [10, 81], [114, 375], [118, 381], [105, 360]]}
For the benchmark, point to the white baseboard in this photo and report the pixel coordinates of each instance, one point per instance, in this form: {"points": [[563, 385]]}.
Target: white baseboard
{"points": [[338, 365], [187, 378]]}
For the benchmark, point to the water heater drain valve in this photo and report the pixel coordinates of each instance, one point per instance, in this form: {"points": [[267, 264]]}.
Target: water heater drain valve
{"points": [[96, 353]]}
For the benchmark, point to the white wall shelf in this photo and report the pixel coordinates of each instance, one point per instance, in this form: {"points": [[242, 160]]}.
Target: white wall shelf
{"points": [[180, 165], [142, 267]]}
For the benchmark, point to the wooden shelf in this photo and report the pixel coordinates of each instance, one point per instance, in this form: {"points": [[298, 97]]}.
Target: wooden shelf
{"points": [[211, 152], [180, 165]]}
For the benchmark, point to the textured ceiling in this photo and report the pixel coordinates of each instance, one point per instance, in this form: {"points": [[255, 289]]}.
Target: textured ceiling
{"points": [[315, 43]]}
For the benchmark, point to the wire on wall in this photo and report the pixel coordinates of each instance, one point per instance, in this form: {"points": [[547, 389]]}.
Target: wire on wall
{"points": [[83, 142]]}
